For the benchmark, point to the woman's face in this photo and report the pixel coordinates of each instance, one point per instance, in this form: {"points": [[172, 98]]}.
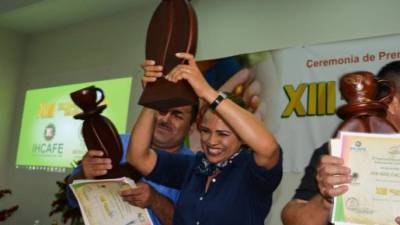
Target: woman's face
{"points": [[218, 140]]}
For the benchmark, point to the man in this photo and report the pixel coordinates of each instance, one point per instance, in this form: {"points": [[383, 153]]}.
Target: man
{"points": [[326, 177], [170, 130]]}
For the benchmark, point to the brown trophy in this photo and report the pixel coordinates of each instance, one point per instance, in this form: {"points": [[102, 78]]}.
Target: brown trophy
{"points": [[365, 111], [99, 132], [172, 29]]}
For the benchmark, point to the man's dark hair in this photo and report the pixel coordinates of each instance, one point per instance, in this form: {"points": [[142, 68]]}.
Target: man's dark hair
{"points": [[195, 111], [234, 98], [391, 72]]}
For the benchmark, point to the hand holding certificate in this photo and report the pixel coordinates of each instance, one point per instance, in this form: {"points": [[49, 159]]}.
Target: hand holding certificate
{"points": [[373, 195], [100, 202]]}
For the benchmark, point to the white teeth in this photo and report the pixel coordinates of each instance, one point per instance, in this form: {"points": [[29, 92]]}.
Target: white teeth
{"points": [[214, 151]]}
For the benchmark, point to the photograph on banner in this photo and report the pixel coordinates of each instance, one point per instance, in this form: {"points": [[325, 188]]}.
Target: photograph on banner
{"points": [[295, 91]]}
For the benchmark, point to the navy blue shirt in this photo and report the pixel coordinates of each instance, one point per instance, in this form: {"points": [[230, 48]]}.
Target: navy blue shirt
{"points": [[241, 194]]}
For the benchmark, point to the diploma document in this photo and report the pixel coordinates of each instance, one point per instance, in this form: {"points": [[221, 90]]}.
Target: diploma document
{"points": [[374, 193], [101, 204]]}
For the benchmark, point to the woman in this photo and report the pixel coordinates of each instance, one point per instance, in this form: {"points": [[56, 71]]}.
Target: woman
{"points": [[229, 183]]}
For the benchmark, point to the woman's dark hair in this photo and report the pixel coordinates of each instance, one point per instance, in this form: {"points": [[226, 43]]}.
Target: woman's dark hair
{"points": [[234, 98]]}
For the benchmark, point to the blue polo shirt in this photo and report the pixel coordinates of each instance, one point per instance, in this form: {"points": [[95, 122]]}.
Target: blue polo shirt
{"points": [[170, 193], [240, 195]]}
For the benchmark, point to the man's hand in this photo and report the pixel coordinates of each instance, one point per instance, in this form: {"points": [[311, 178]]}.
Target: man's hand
{"points": [[151, 71], [332, 177], [244, 84], [397, 220], [94, 165], [143, 196]]}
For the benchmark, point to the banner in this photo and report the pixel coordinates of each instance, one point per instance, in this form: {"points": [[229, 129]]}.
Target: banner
{"points": [[295, 91]]}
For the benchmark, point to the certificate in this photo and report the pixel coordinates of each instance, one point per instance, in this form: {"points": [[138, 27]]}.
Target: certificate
{"points": [[374, 193], [101, 204]]}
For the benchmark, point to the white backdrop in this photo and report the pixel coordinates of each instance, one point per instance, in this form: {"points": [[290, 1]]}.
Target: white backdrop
{"points": [[301, 92]]}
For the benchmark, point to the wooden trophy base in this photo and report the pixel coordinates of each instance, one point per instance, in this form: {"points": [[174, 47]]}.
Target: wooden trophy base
{"points": [[163, 94], [362, 109], [364, 117], [366, 124]]}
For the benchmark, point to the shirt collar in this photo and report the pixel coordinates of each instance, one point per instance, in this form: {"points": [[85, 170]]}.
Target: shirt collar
{"points": [[206, 168]]}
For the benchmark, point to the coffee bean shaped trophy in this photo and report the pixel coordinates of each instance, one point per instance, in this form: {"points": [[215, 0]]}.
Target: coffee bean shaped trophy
{"points": [[99, 133], [365, 110], [172, 29]]}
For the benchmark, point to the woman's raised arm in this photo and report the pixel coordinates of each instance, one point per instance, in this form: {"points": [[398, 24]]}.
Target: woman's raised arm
{"points": [[247, 127], [139, 154]]}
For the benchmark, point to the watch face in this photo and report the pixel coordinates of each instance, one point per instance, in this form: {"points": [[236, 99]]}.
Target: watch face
{"points": [[221, 96]]}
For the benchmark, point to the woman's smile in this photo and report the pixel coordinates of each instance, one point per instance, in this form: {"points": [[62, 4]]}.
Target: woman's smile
{"points": [[214, 151], [217, 139]]}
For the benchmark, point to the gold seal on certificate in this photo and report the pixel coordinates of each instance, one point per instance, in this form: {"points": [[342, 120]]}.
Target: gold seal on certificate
{"points": [[374, 192]]}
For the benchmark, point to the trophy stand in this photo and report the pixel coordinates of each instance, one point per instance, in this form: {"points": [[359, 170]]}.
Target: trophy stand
{"points": [[99, 133], [364, 111]]}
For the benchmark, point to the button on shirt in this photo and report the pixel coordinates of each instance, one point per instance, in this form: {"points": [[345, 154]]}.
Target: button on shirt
{"points": [[241, 194]]}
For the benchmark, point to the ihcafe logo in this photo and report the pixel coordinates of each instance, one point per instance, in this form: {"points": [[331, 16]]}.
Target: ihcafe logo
{"points": [[357, 146], [49, 132], [48, 147], [351, 203]]}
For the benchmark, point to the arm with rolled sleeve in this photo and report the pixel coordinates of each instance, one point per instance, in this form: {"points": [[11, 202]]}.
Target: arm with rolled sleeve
{"points": [[266, 180], [171, 169]]}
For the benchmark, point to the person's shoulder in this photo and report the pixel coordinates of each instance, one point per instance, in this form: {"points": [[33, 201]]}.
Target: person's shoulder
{"points": [[316, 155], [185, 151]]}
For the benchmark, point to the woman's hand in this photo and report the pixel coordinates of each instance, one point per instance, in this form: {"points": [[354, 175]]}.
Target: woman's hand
{"points": [[192, 74], [151, 72]]}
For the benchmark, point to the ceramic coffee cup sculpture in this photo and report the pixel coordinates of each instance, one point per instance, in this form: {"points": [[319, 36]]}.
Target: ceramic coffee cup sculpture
{"points": [[88, 98], [99, 132], [365, 111]]}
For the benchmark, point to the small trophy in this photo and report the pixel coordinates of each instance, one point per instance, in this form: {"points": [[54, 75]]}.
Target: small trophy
{"points": [[99, 132], [172, 29], [365, 110]]}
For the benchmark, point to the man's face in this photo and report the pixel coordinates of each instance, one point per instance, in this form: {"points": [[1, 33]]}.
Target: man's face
{"points": [[393, 113], [171, 127]]}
